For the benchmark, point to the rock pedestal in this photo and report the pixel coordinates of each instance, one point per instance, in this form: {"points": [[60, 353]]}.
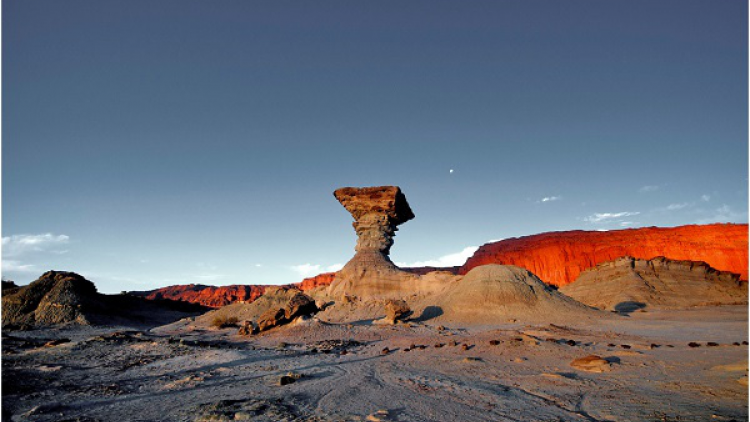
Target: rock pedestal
{"points": [[377, 212]]}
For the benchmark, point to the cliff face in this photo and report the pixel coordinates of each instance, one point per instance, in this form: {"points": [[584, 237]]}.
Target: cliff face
{"points": [[627, 284], [310, 283], [211, 296], [559, 257]]}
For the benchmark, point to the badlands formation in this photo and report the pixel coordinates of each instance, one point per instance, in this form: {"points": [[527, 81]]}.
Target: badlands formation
{"points": [[374, 342]]}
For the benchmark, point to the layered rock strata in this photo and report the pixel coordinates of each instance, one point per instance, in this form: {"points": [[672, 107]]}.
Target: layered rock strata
{"points": [[377, 211], [628, 284]]}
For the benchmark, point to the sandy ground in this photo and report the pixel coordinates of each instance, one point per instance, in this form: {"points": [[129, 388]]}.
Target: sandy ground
{"points": [[340, 372]]}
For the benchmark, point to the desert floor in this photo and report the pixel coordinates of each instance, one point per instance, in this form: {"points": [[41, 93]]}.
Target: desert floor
{"points": [[184, 373]]}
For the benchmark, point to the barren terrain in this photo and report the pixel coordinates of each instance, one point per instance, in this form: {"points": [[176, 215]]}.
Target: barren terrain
{"points": [[514, 372]]}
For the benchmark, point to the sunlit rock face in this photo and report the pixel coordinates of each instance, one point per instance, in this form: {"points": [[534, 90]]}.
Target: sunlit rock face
{"points": [[559, 257], [377, 212]]}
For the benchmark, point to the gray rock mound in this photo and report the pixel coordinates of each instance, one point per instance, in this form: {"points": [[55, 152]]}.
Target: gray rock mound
{"points": [[496, 293]]}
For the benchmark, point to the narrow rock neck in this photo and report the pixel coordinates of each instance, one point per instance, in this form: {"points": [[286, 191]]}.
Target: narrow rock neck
{"points": [[374, 233]]}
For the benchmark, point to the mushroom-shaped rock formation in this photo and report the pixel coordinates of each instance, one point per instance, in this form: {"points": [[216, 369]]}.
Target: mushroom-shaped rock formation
{"points": [[377, 212]]}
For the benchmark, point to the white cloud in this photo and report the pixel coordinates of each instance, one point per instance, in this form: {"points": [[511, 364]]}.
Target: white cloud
{"points": [[649, 188], [16, 266], [306, 270], [258, 265], [309, 270], [450, 260], [23, 243], [705, 198], [550, 198], [333, 268], [605, 217], [494, 240], [626, 223], [675, 207]]}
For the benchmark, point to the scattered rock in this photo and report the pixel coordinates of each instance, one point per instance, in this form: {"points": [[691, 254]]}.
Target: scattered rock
{"points": [[385, 351], [712, 344], [248, 328], [472, 359], [625, 346], [591, 363], [289, 378], [56, 342], [694, 344], [379, 416], [396, 310], [494, 342], [571, 342], [299, 305]]}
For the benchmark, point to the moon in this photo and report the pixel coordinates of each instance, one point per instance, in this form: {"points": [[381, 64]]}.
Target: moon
{"points": [[451, 171]]}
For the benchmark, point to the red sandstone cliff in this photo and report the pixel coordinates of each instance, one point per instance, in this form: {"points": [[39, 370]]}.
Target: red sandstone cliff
{"points": [[317, 281], [559, 257], [211, 296]]}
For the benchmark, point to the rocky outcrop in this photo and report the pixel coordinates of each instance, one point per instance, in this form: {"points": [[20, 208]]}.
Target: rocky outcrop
{"points": [[9, 286], [627, 284], [299, 305], [559, 257], [395, 310], [210, 296], [60, 297], [56, 297], [377, 212]]}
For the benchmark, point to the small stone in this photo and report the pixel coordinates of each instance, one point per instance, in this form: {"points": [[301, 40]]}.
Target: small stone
{"points": [[712, 344], [571, 342], [654, 346], [472, 359], [385, 351], [57, 342], [286, 380], [464, 346], [744, 343], [591, 363], [694, 344], [625, 346], [439, 345], [494, 342]]}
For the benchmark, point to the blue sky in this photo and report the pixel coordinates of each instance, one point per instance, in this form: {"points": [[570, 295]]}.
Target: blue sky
{"points": [[148, 143]]}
